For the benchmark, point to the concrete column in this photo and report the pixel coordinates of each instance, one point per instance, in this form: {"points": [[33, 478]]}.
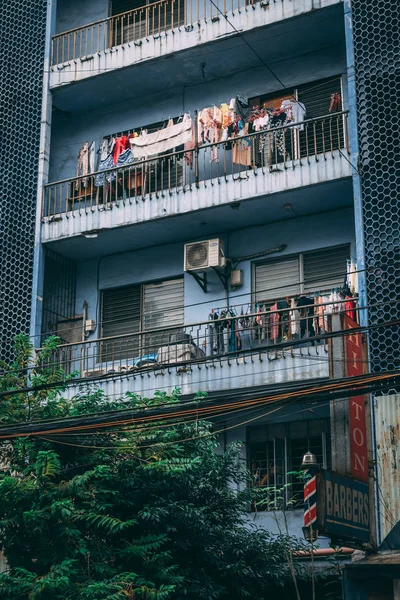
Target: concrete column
{"points": [[44, 159]]}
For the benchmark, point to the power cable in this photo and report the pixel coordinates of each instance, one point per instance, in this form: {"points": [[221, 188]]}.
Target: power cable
{"points": [[350, 386], [191, 438]]}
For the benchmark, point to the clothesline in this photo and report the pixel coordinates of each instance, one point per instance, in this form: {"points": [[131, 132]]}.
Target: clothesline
{"points": [[214, 124]]}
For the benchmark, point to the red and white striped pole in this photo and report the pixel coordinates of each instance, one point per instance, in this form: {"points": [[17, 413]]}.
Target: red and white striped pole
{"points": [[310, 466]]}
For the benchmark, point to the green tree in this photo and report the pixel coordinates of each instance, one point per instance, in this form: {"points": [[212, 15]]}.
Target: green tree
{"points": [[137, 513]]}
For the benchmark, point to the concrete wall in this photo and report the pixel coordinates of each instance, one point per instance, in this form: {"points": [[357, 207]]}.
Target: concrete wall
{"points": [[159, 262], [69, 130]]}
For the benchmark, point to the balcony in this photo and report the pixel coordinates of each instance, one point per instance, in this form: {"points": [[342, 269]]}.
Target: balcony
{"points": [[167, 27], [264, 347], [206, 179]]}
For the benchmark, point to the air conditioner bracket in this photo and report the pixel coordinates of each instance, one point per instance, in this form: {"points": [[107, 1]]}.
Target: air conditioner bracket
{"points": [[223, 277], [201, 280]]}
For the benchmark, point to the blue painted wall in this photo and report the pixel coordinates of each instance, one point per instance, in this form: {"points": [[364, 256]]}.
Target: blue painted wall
{"points": [[79, 13], [69, 131], [160, 262]]}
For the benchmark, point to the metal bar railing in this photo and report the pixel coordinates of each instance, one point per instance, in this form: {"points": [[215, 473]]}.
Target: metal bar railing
{"points": [[230, 333], [274, 150], [131, 26]]}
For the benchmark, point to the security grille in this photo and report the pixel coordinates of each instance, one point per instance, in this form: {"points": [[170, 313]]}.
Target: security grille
{"points": [[375, 27], [22, 42], [59, 291]]}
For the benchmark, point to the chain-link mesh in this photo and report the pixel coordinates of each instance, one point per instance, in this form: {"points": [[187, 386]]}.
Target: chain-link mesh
{"points": [[375, 29], [22, 42]]}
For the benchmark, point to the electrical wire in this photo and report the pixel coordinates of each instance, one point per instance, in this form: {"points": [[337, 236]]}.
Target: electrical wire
{"points": [[173, 442], [352, 385]]}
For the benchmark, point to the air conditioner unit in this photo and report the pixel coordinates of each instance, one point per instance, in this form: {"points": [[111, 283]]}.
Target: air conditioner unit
{"points": [[200, 256]]}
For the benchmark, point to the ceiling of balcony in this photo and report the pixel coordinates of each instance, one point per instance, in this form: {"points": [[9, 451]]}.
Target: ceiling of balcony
{"points": [[275, 44], [205, 223]]}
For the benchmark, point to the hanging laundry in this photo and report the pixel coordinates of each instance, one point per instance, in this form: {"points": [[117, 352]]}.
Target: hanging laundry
{"points": [[336, 102], [92, 157], [274, 318], [189, 147], [83, 166], [101, 178], [294, 317], [227, 115], [306, 307], [105, 148], [242, 107], [121, 144], [125, 158], [295, 112], [151, 144]]}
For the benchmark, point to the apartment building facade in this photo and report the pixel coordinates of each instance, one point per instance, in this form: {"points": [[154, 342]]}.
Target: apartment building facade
{"points": [[193, 206]]}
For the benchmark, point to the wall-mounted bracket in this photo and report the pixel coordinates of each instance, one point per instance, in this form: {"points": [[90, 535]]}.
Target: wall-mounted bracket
{"points": [[202, 281], [223, 276]]}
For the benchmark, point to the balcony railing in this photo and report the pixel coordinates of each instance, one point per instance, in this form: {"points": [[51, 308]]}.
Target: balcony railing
{"points": [[144, 22], [264, 333], [268, 152]]}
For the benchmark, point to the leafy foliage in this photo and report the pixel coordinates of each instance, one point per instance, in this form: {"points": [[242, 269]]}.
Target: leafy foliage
{"points": [[134, 514]]}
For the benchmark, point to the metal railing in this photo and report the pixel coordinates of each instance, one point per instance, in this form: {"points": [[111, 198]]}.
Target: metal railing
{"points": [[144, 22], [231, 335], [283, 148]]}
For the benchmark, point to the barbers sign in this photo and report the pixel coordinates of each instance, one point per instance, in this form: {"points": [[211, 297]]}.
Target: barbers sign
{"points": [[343, 507]]}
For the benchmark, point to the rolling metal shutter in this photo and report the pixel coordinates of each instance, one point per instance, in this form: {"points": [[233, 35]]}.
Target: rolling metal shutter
{"points": [[120, 314], [316, 96], [275, 280], [138, 308], [163, 304], [162, 307], [121, 311], [326, 134], [325, 269]]}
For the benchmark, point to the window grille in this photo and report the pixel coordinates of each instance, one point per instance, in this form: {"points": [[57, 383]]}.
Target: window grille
{"points": [[275, 452]]}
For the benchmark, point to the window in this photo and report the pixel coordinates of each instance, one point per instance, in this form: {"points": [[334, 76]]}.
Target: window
{"points": [[274, 451], [319, 270], [140, 308]]}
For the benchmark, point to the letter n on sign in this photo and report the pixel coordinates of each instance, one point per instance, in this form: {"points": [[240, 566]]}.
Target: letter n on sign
{"points": [[357, 413]]}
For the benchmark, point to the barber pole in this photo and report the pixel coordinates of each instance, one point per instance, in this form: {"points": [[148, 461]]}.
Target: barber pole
{"points": [[310, 497], [310, 465]]}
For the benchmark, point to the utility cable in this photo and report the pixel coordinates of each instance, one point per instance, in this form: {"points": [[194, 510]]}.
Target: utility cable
{"points": [[350, 386]]}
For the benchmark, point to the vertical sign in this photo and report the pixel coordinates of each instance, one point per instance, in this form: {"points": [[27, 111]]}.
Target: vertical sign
{"points": [[357, 413]]}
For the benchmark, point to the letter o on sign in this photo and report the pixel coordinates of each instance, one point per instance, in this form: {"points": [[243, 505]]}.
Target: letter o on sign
{"points": [[358, 437]]}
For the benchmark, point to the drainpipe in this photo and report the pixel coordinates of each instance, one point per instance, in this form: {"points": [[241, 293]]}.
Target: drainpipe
{"points": [[44, 149]]}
